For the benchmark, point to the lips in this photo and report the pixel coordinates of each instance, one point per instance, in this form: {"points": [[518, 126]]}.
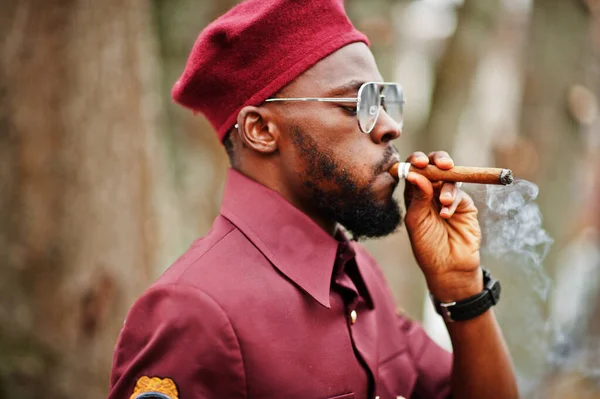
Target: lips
{"points": [[390, 157], [395, 158]]}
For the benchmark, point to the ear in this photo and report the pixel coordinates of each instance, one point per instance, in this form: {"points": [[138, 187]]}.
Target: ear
{"points": [[256, 130]]}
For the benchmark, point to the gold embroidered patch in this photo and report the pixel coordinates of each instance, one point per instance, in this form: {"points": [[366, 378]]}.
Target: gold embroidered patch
{"points": [[166, 386]]}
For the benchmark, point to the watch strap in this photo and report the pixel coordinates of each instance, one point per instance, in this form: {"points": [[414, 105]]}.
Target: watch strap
{"points": [[474, 306]]}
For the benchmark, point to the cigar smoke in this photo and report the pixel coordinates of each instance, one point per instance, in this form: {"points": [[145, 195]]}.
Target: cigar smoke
{"points": [[550, 335], [512, 230], [575, 344], [550, 328], [514, 247]]}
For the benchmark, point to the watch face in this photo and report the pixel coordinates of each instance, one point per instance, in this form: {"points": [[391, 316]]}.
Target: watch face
{"points": [[495, 291]]}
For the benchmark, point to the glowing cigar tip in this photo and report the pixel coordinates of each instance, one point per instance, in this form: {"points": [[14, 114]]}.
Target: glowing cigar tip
{"points": [[506, 177]]}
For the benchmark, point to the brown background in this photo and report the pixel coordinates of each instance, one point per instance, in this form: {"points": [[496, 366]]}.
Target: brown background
{"points": [[104, 182]]}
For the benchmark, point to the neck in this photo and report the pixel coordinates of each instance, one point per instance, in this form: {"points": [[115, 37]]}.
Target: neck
{"points": [[329, 225], [274, 183]]}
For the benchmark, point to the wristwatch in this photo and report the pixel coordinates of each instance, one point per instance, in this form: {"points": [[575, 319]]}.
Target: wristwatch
{"points": [[474, 306]]}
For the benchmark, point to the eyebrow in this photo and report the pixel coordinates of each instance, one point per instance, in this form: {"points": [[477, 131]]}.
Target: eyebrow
{"points": [[350, 87]]}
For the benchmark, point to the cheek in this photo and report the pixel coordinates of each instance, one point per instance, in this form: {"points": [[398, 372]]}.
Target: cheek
{"points": [[360, 161], [331, 124], [353, 167], [349, 151]]}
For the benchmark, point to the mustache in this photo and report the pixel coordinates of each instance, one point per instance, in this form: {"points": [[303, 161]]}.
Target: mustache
{"points": [[384, 164]]}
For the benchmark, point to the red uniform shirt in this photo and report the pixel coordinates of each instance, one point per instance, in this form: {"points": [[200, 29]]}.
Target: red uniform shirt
{"points": [[268, 305]]}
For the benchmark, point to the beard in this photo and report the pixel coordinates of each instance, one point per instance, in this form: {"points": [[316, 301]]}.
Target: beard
{"points": [[335, 194]]}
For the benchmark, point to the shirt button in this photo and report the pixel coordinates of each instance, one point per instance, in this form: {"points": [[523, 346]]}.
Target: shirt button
{"points": [[353, 316]]}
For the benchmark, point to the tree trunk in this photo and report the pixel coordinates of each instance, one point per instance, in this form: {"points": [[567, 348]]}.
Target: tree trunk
{"points": [[557, 59], [83, 202], [455, 72], [197, 160]]}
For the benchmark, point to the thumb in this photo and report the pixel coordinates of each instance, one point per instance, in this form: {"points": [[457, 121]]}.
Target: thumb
{"points": [[418, 193]]}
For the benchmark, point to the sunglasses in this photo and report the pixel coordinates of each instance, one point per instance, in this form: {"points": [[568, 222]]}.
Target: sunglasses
{"points": [[371, 97]]}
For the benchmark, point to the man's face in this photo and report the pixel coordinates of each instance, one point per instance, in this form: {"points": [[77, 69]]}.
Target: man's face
{"points": [[332, 166]]}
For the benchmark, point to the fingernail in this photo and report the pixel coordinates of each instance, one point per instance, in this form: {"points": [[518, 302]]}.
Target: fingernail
{"points": [[446, 196], [448, 160], [445, 210]]}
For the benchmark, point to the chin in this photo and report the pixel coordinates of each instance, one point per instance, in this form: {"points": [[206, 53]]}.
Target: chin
{"points": [[372, 219]]}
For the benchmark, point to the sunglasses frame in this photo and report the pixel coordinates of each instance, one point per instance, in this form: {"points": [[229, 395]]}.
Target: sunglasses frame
{"points": [[380, 86]]}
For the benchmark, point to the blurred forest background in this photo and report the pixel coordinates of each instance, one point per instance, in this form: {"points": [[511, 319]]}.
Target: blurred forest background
{"points": [[104, 181]]}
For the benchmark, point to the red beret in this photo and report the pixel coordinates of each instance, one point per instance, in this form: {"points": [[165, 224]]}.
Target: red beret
{"points": [[256, 49]]}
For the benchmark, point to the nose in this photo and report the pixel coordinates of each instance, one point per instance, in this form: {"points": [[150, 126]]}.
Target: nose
{"points": [[386, 128]]}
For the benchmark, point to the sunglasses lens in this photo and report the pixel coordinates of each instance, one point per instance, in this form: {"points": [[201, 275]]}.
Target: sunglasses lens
{"points": [[368, 108], [393, 103]]}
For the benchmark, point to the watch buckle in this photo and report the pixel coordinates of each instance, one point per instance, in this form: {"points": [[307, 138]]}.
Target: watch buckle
{"points": [[445, 311]]}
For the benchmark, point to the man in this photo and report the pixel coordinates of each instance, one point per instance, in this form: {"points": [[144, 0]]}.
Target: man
{"points": [[275, 302]]}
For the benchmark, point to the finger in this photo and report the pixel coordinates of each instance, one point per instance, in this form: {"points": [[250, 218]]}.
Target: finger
{"points": [[418, 159], [462, 204], [466, 204], [410, 189], [447, 211], [448, 194], [419, 192], [441, 159]]}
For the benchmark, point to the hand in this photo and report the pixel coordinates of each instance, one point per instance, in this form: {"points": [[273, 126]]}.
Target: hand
{"points": [[444, 232]]}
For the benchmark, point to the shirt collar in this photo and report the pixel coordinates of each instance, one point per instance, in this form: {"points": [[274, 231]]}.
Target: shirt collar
{"points": [[293, 243], [347, 263]]}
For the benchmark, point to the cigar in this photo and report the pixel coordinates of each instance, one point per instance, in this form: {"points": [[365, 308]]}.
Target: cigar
{"points": [[465, 174]]}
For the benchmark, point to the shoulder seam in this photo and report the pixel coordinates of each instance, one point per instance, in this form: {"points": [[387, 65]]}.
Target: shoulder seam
{"points": [[204, 253]]}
